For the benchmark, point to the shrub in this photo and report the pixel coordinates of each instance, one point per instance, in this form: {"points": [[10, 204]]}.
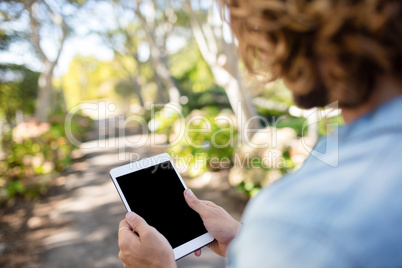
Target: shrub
{"points": [[34, 151], [203, 141], [271, 153], [164, 119]]}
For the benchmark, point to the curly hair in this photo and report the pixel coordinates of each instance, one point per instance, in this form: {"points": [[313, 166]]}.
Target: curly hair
{"points": [[325, 50]]}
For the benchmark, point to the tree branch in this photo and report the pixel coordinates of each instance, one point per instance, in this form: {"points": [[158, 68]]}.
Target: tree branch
{"points": [[160, 64], [34, 36], [207, 54], [65, 29]]}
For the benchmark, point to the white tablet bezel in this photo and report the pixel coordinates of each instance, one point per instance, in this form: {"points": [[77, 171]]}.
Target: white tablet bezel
{"points": [[185, 248]]}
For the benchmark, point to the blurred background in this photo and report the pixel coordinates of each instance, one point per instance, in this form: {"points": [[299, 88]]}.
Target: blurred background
{"points": [[101, 63]]}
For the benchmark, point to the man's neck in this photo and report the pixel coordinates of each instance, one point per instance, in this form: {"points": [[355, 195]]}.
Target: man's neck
{"points": [[387, 88]]}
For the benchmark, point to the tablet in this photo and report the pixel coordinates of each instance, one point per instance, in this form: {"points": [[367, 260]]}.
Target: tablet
{"points": [[153, 189]]}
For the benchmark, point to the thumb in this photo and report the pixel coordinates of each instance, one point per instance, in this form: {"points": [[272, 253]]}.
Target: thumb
{"points": [[137, 223], [193, 202]]}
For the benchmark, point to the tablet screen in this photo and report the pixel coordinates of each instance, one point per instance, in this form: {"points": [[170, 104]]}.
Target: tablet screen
{"points": [[156, 194]]}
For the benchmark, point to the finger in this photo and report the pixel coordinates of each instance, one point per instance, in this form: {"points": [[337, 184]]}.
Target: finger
{"points": [[193, 202], [123, 223], [126, 235], [125, 230], [137, 223], [197, 253]]}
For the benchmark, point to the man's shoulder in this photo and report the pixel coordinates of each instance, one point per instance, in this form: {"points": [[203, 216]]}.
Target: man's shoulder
{"points": [[356, 205], [367, 171], [334, 216]]}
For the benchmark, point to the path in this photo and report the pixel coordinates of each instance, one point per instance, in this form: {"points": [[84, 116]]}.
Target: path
{"points": [[91, 214]]}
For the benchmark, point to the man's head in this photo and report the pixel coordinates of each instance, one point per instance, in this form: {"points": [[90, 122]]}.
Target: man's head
{"points": [[325, 50]]}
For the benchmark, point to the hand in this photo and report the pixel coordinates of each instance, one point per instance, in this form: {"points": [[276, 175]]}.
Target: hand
{"points": [[142, 245], [217, 222]]}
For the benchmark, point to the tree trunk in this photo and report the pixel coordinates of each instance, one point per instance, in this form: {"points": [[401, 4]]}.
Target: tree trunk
{"points": [[242, 108], [139, 95], [159, 85], [222, 59], [45, 89], [137, 88], [158, 62]]}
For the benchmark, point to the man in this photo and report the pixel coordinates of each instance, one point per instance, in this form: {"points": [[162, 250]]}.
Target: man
{"points": [[321, 216]]}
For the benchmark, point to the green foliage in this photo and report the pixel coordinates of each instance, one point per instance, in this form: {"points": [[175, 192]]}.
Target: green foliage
{"points": [[18, 90], [34, 150], [207, 143], [182, 18], [269, 155], [296, 123], [326, 125], [215, 97], [124, 88], [163, 121], [88, 78], [249, 188], [196, 81], [259, 175], [191, 71], [278, 92]]}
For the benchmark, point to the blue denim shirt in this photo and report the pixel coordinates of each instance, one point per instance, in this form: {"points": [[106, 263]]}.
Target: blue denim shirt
{"points": [[324, 216]]}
